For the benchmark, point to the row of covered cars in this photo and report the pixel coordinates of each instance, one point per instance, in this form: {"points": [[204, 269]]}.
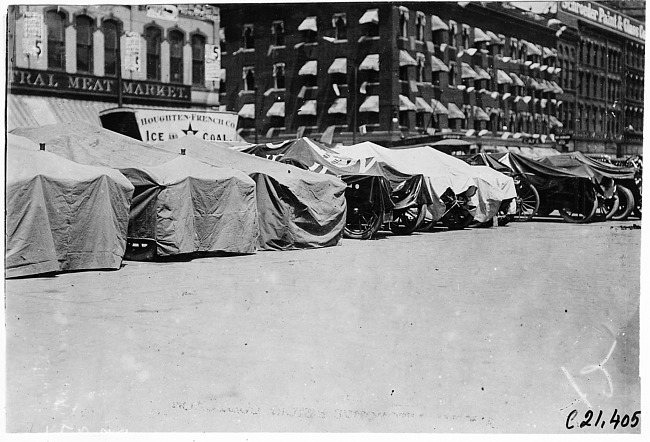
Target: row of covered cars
{"points": [[83, 197]]}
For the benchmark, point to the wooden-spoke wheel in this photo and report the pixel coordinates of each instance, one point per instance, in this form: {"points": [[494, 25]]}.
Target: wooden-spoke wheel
{"points": [[362, 222], [457, 218], [527, 201], [406, 221], [584, 206]]}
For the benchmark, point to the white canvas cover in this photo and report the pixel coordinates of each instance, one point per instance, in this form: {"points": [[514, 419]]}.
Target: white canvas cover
{"points": [[61, 215]]}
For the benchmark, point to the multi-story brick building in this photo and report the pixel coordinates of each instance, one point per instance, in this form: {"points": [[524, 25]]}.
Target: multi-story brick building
{"points": [[70, 62]]}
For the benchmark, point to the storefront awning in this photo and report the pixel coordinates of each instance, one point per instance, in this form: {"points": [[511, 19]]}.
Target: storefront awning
{"points": [[438, 107], [309, 108], [340, 106], [276, 110], [554, 122], [454, 112], [309, 68], [339, 66], [421, 105], [247, 111], [405, 104], [371, 104], [503, 78], [516, 81], [437, 24], [467, 72], [480, 114], [482, 73], [405, 59], [370, 63], [370, 16], [480, 36], [308, 24], [438, 65]]}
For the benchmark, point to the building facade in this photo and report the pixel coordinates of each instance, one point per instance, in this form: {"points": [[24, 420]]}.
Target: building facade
{"points": [[71, 62]]}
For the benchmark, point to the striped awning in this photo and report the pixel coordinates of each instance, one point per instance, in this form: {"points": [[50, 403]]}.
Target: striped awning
{"points": [[370, 63], [405, 59], [480, 36], [276, 110], [309, 68], [454, 112], [421, 105], [503, 78], [247, 111], [438, 107], [338, 66], [370, 16], [482, 73], [438, 65], [308, 24], [437, 24], [516, 80], [405, 104], [340, 106], [309, 108], [467, 72], [371, 104], [480, 114]]}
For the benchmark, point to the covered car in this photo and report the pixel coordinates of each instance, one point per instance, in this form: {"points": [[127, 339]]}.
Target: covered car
{"points": [[296, 208], [60, 215]]}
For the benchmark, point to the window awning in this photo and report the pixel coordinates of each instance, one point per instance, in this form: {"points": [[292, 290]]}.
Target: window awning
{"points": [[516, 80], [370, 16], [370, 63], [422, 106], [548, 53], [371, 104], [438, 107], [405, 59], [309, 108], [437, 24], [406, 104], [503, 78], [437, 65], [339, 66], [467, 72], [247, 111], [480, 36], [554, 122], [480, 114], [308, 24], [495, 38], [340, 106], [533, 49], [454, 112], [556, 87], [276, 110], [482, 73], [532, 84], [309, 68]]}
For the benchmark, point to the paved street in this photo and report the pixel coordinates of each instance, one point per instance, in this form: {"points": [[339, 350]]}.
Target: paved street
{"points": [[481, 330]]}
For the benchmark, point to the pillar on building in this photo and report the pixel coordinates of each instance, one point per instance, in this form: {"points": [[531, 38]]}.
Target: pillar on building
{"points": [[70, 49], [98, 53]]}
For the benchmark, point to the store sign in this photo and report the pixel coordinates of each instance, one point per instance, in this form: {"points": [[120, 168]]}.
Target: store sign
{"points": [[163, 12], [132, 51], [30, 80], [32, 33], [162, 125], [212, 62], [201, 12], [605, 17]]}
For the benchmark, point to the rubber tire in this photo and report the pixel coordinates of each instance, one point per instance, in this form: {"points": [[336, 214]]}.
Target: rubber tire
{"points": [[626, 203], [606, 213], [591, 211], [367, 233], [409, 228]]}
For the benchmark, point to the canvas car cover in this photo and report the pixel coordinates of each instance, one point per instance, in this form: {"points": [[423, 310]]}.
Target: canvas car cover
{"points": [[573, 160], [61, 215], [296, 208], [187, 206], [543, 176]]}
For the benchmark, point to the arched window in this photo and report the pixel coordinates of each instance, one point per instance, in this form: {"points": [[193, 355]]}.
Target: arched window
{"points": [[176, 39], [248, 39], [111, 42], [198, 60], [85, 28], [340, 27], [55, 22], [278, 33], [153, 36]]}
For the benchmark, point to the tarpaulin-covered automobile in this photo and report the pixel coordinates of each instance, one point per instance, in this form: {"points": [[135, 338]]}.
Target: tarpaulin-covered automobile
{"points": [[175, 210], [296, 208], [369, 194], [60, 215]]}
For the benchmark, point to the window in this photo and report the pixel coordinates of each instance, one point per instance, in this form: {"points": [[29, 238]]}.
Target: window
{"points": [[278, 75], [111, 42], [420, 22], [249, 78], [153, 36], [198, 60], [85, 28], [277, 32], [403, 73], [403, 21], [452, 74], [248, 40], [419, 73], [453, 30], [514, 49], [176, 56], [465, 37], [55, 22], [339, 22]]}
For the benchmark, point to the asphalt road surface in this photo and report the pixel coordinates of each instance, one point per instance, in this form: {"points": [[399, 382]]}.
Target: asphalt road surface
{"points": [[495, 330]]}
